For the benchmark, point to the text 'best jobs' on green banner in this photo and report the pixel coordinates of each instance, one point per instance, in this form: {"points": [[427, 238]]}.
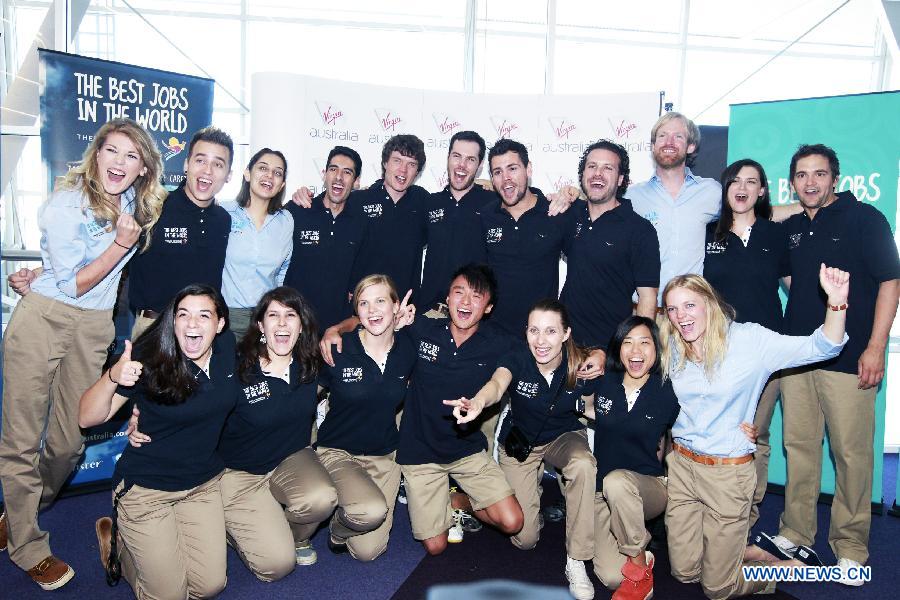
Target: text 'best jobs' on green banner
{"points": [[864, 130]]}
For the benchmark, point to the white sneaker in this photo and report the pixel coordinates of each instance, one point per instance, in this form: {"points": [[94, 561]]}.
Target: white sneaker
{"points": [[455, 534], [846, 564], [579, 585], [785, 544]]}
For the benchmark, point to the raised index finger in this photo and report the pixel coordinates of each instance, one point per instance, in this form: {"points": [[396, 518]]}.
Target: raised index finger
{"points": [[405, 299]]}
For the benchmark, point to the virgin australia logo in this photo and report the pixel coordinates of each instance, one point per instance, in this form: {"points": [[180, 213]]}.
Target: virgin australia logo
{"points": [[622, 128], [329, 112], [561, 127], [503, 126], [387, 119], [446, 124]]}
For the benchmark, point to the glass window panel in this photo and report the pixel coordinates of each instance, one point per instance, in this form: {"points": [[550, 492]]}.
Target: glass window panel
{"points": [[431, 60], [209, 7], [509, 64], [774, 23], [21, 230], [26, 21], [448, 13], [786, 77], [596, 68], [214, 44], [515, 14], [635, 15]]}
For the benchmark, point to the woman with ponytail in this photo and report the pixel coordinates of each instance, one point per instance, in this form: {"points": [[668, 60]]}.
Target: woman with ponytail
{"points": [[543, 426]]}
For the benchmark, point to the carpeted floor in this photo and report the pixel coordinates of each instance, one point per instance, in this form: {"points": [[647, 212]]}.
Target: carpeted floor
{"points": [[405, 573]]}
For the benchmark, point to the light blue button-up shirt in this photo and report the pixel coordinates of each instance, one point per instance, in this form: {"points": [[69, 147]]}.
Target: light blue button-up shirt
{"points": [[256, 259], [680, 222], [71, 239], [712, 411]]}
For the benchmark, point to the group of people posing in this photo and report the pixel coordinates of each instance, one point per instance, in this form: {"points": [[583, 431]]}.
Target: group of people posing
{"points": [[648, 382]]}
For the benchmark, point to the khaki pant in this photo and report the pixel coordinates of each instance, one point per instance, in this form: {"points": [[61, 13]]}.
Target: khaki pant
{"points": [[428, 494], [52, 353], [627, 500], [173, 543], [707, 521], [239, 321], [763, 419], [302, 485], [367, 491], [140, 326], [812, 399], [569, 453], [256, 526]]}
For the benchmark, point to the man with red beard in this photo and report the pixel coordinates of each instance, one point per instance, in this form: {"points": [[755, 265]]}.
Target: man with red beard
{"points": [[678, 203]]}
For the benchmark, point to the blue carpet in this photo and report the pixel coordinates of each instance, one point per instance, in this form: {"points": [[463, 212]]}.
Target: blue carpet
{"points": [[405, 573], [71, 524], [890, 479]]}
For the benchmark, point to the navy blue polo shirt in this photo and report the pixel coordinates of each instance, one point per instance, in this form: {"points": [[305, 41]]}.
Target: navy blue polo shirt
{"points": [[531, 397], [326, 248], [854, 237], [396, 235], [188, 246], [443, 371], [454, 239], [272, 419], [362, 408], [747, 277], [626, 439], [525, 257], [183, 452], [610, 257]]}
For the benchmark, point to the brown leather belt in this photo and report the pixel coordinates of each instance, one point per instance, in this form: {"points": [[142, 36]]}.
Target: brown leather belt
{"points": [[148, 314], [706, 459]]}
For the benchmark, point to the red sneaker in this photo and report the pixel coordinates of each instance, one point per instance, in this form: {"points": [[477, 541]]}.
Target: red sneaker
{"points": [[4, 533], [638, 582]]}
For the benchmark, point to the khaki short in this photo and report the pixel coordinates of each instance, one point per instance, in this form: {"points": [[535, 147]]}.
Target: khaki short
{"points": [[428, 492]]}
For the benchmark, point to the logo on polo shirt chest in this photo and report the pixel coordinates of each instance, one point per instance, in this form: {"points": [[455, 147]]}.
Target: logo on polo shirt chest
{"points": [[175, 235], [308, 237], [653, 217], [239, 223], [604, 404], [435, 216], [96, 230], [578, 228], [351, 374], [428, 351], [794, 240], [715, 247], [372, 210], [257, 392], [493, 235], [527, 389]]}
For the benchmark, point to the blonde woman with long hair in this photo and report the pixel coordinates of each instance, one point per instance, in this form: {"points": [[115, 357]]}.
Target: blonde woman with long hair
{"points": [[56, 341], [718, 368]]}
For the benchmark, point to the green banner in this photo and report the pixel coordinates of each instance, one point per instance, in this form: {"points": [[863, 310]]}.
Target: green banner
{"points": [[864, 131]]}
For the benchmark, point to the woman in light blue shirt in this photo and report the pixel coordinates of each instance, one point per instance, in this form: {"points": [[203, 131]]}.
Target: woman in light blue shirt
{"points": [[718, 368], [56, 341], [261, 239]]}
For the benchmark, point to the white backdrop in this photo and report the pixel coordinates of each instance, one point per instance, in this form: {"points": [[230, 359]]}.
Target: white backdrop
{"points": [[305, 117]]}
